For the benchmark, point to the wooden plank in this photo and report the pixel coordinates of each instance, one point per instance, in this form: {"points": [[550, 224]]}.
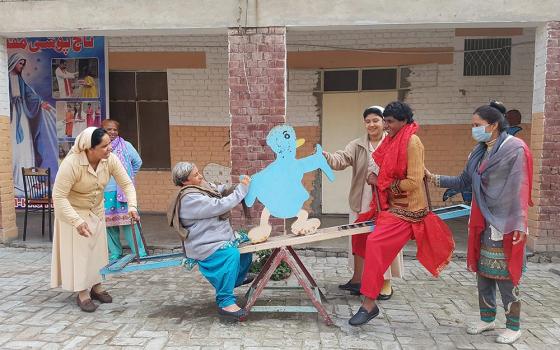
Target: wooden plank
{"points": [[388, 57], [156, 60], [320, 235], [324, 234]]}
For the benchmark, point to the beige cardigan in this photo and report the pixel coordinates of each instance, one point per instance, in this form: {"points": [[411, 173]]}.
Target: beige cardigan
{"points": [[355, 154], [78, 198]]}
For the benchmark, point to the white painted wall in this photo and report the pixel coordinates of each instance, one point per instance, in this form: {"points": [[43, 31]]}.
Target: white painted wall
{"points": [[4, 94], [541, 37], [200, 96], [435, 89], [143, 17], [303, 108]]}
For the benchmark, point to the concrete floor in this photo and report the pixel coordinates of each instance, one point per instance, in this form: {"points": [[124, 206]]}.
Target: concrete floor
{"points": [[159, 236]]}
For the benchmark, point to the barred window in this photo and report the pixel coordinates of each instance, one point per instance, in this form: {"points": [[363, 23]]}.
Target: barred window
{"points": [[487, 57]]}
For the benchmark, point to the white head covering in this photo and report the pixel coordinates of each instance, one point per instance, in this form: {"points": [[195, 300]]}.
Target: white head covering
{"points": [[14, 59], [83, 141], [377, 107]]}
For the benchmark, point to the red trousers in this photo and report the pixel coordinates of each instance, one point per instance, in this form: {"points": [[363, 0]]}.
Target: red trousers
{"points": [[359, 244], [388, 238]]}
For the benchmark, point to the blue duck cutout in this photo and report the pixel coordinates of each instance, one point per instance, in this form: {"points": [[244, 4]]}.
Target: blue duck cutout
{"points": [[279, 186]]}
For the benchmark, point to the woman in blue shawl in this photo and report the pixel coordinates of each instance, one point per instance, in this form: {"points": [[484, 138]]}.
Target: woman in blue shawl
{"points": [[33, 124], [499, 172], [116, 207]]}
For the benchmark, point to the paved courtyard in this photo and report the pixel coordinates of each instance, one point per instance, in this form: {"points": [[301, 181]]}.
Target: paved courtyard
{"points": [[174, 309]]}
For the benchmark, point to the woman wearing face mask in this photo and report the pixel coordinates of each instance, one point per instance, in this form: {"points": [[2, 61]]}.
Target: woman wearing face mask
{"points": [[405, 214], [499, 171], [358, 155]]}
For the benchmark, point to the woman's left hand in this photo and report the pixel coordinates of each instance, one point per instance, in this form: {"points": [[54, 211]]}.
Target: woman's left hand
{"points": [[372, 179], [134, 215], [518, 237]]}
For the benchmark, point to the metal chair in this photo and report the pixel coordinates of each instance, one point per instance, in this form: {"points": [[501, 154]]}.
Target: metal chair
{"points": [[38, 192]]}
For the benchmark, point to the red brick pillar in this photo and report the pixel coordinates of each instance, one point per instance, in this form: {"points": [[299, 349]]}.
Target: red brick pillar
{"points": [[8, 229], [544, 218], [257, 103]]}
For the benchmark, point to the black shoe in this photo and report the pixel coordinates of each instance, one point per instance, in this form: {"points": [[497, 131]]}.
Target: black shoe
{"points": [[385, 296], [354, 288], [238, 315], [249, 278], [363, 316]]}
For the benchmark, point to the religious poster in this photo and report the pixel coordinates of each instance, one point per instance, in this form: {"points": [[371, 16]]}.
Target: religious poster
{"points": [[57, 89]]}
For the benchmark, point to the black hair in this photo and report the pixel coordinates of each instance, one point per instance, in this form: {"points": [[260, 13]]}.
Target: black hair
{"points": [[97, 136], [494, 113], [400, 111], [373, 110]]}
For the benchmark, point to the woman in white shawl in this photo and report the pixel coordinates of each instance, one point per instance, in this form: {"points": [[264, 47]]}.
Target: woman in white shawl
{"points": [[80, 240]]}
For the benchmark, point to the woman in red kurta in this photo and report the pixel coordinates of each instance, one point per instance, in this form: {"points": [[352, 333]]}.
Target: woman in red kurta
{"points": [[405, 214]]}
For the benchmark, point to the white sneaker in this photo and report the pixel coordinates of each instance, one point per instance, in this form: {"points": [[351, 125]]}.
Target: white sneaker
{"points": [[480, 326], [508, 336]]}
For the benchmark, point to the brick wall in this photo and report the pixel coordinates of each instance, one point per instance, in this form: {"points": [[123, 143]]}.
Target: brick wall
{"points": [[198, 109], [8, 229], [311, 181], [196, 96], [198, 144], [257, 102], [545, 218]]}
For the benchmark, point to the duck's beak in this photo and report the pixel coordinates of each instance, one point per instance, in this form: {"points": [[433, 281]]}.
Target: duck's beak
{"points": [[300, 142]]}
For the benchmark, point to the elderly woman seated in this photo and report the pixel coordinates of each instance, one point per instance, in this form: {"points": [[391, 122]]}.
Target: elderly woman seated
{"points": [[200, 213]]}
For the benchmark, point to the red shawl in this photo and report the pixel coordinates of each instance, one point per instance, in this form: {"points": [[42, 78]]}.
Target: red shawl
{"points": [[391, 156], [513, 252]]}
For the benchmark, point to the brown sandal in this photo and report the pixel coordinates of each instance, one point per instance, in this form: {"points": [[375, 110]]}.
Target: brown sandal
{"points": [[86, 305], [103, 296]]}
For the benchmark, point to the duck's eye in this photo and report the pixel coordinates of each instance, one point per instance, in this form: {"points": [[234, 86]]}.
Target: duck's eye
{"points": [[286, 135]]}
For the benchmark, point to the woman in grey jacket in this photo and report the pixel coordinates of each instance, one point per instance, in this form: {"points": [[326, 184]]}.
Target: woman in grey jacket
{"points": [[211, 242], [358, 155]]}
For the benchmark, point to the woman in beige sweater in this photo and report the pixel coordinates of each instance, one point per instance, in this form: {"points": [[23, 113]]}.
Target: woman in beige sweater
{"points": [[80, 239], [358, 155]]}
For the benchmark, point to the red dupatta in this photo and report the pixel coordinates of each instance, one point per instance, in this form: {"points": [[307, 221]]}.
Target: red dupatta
{"points": [[391, 156]]}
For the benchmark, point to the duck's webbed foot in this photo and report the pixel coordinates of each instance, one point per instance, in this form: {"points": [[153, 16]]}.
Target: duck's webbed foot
{"points": [[303, 225], [261, 233]]}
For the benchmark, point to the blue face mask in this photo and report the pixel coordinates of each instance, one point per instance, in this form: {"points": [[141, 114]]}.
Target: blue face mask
{"points": [[479, 134]]}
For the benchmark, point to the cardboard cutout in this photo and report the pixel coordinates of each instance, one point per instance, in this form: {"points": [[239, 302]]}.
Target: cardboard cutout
{"points": [[279, 186]]}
